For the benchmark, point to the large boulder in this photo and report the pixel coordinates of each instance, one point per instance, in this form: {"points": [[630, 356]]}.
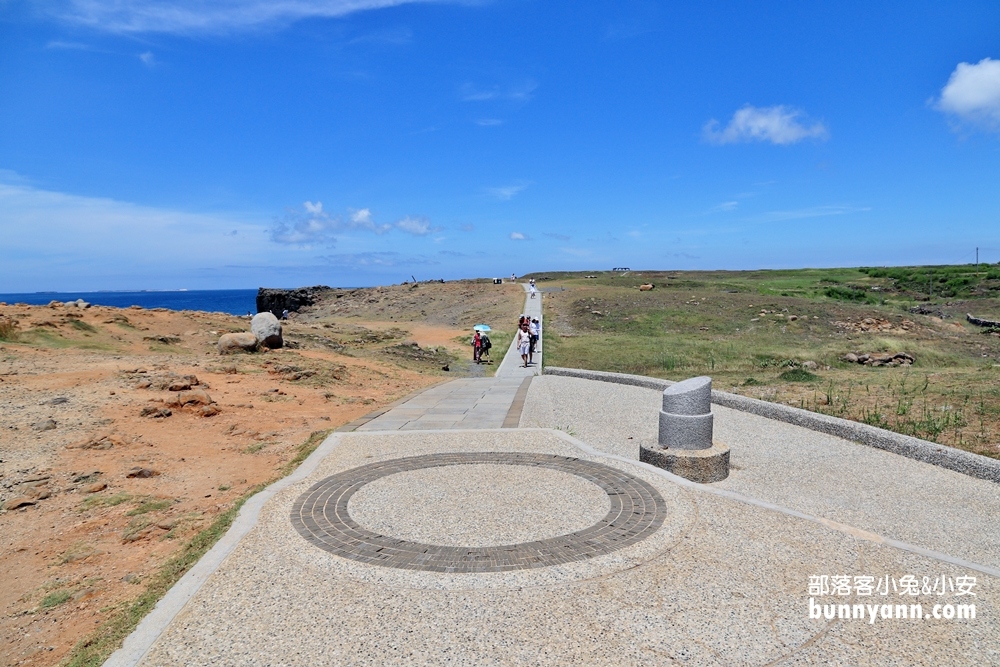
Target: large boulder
{"points": [[267, 329], [237, 342]]}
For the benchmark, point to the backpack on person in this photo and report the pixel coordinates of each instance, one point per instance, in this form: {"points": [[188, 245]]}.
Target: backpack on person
{"points": [[484, 341]]}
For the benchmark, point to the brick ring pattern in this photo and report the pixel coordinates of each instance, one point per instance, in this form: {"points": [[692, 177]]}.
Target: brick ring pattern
{"points": [[320, 515]]}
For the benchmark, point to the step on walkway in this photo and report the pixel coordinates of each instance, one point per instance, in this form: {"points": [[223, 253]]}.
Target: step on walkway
{"points": [[470, 402]]}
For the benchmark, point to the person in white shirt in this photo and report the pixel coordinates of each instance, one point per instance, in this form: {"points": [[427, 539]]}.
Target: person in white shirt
{"points": [[523, 342]]}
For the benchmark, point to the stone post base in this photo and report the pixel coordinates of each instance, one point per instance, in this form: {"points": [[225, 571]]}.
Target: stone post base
{"points": [[698, 465]]}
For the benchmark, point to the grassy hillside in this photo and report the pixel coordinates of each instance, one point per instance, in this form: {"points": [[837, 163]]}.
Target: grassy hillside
{"points": [[783, 335]]}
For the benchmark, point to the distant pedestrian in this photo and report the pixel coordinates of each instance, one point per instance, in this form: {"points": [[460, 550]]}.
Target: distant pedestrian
{"points": [[513, 278], [284, 314], [523, 342], [536, 326], [477, 347], [531, 288]]}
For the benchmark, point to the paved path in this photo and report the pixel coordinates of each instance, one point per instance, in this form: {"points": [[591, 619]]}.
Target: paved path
{"points": [[472, 402], [443, 539]]}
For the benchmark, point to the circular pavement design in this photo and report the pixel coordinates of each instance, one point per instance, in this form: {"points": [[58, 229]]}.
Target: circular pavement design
{"points": [[321, 516]]}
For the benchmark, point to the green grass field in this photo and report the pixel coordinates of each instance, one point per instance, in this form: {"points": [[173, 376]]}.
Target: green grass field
{"points": [[782, 335]]}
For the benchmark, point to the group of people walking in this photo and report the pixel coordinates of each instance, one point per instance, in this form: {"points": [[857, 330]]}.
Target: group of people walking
{"points": [[526, 340]]}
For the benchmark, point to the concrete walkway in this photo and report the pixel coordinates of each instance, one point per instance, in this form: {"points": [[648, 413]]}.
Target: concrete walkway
{"points": [[430, 536], [469, 403]]}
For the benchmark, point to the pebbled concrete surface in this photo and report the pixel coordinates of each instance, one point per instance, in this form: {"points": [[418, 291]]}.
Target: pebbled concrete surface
{"points": [[795, 467], [722, 583]]}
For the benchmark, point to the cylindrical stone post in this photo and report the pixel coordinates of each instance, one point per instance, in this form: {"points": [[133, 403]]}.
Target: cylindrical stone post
{"points": [[686, 417]]}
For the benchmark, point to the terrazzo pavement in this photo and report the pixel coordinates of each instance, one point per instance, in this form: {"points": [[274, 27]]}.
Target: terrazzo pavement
{"points": [[722, 580], [721, 583]]}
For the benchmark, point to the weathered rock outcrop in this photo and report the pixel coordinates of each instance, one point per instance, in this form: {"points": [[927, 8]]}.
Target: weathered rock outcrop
{"points": [[276, 301], [266, 327], [980, 322]]}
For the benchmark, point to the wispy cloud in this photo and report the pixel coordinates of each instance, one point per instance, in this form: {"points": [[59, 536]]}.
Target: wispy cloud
{"points": [[972, 94], [557, 237], [779, 125], [68, 46], [507, 192], [468, 227], [187, 17], [398, 36], [724, 207], [147, 58], [360, 260], [489, 122], [518, 236], [520, 92], [810, 212], [54, 240]]}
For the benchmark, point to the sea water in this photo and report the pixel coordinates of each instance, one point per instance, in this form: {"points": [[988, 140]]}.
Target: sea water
{"points": [[233, 301]]}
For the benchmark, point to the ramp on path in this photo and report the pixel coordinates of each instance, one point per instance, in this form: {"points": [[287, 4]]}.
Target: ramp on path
{"points": [[550, 544]]}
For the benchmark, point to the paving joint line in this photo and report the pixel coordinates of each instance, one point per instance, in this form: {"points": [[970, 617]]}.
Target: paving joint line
{"points": [[513, 418]]}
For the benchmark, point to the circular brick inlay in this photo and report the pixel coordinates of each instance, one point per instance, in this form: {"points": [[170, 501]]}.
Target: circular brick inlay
{"points": [[478, 505], [321, 516]]}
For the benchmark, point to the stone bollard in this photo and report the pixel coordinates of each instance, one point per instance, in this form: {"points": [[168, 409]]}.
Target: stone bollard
{"points": [[685, 446], [686, 417]]}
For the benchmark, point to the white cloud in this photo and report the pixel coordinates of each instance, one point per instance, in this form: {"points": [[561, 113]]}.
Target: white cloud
{"points": [[518, 236], [778, 125], [972, 94], [507, 192], [314, 226], [54, 240], [147, 58], [207, 16], [418, 226], [489, 122], [362, 219]]}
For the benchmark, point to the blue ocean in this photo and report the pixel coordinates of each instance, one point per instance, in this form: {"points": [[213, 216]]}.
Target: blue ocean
{"points": [[233, 301]]}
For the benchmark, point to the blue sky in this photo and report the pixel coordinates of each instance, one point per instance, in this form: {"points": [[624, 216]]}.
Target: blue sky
{"points": [[227, 143]]}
